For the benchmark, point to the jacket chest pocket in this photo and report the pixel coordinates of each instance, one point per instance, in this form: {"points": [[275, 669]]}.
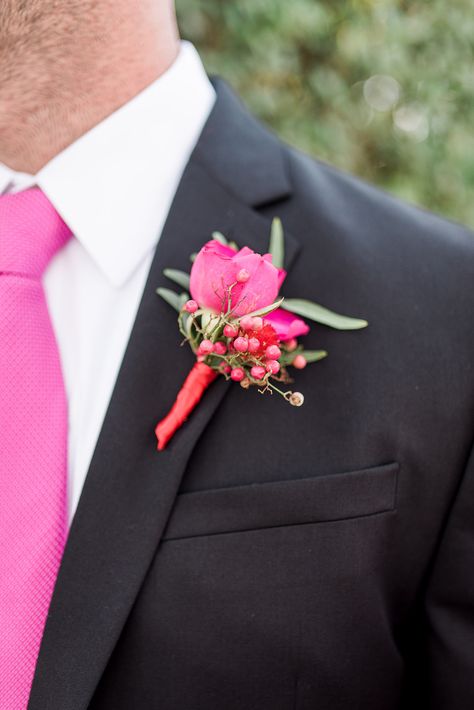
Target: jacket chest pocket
{"points": [[282, 503]]}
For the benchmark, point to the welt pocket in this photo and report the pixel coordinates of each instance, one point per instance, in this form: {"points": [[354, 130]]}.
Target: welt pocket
{"points": [[290, 502]]}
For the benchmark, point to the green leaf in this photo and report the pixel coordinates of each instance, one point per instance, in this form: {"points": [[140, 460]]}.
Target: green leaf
{"points": [[208, 319], [219, 237], [267, 309], [179, 277], [175, 300], [314, 355], [322, 315], [183, 298], [192, 257], [188, 324], [277, 244]]}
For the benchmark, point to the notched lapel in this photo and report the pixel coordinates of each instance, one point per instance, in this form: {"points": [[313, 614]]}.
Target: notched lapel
{"points": [[131, 488]]}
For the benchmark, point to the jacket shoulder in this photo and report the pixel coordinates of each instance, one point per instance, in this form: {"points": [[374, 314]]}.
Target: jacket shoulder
{"points": [[369, 254], [367, 214]]}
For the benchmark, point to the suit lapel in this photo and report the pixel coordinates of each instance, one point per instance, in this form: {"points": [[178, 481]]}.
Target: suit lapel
{"points": [[130, 488]]}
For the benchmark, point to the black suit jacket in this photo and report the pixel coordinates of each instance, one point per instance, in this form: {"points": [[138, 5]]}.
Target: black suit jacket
{"points": [[276, 558]]}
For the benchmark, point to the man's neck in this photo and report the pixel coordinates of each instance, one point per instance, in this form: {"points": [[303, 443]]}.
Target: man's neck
{"points": [[59, 87]]}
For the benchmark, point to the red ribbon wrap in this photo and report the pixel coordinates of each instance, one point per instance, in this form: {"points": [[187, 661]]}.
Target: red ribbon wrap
{"points": [[195, 384]]}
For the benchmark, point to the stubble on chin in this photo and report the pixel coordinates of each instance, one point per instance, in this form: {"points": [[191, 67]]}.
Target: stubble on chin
{"points": [[38, 34], [18, 17]]}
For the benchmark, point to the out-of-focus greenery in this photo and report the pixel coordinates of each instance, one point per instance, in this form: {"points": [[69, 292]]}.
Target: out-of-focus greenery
{"points": [[382, 88]]}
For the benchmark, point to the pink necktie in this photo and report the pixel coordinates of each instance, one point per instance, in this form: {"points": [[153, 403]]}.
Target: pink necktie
{"points": [[33, 439]]}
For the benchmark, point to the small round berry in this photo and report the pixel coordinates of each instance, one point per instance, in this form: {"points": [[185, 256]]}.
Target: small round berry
{"points": [[273, 352], [299, 362], [220, 348], [241, 345], [258, 372], [226, 368], [243, 276], [206, 347], [191, 306], [230, 331], [273, 366], [296, 399], [246, 323], [257, 323], [254, 345], [237, 374], [291, 344]]}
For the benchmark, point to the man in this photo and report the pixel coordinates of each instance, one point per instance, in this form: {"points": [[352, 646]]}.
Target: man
{"points": [[344, 579]]}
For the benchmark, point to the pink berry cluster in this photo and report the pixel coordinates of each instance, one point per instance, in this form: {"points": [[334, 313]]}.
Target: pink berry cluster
{"points": [[251, 349], [255, 345], [247, 350]]}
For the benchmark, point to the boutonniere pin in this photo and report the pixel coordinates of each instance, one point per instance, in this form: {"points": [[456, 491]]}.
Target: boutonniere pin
{"points": [[231, 316]]}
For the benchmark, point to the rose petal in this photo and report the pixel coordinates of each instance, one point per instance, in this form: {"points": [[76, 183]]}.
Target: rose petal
{"points": [[215, 269], [286, 324]]}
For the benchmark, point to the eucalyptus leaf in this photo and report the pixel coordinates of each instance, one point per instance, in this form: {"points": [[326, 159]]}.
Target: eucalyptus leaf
{"points": [[219, 237], [322, 315], [277, 244], [183, 298], [206, 318], [314, 355], [179, 277], [172, 298], [267, 309], [188, 324]]}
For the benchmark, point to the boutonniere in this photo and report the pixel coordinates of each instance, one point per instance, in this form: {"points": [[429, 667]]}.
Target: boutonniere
{"points": [[231, 316]]}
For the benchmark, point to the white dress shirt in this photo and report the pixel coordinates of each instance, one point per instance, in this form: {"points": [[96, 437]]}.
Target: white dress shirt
{"points": [[114, 188]]}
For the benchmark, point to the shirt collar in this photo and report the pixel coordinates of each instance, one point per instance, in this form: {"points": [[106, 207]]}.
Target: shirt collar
{"points": [[114, 185]]}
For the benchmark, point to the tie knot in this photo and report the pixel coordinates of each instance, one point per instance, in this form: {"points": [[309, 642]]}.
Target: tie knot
{"points": [[31, 232]]}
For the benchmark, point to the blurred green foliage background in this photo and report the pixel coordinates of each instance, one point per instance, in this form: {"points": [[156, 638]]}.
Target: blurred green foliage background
{"points": [[381, 88]]}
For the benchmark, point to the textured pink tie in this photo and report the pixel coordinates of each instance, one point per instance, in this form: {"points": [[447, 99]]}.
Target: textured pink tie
{"points": [[33, 439]]}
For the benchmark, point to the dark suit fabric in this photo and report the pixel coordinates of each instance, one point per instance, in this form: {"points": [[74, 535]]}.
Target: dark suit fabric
{"points": [[280, 558]]}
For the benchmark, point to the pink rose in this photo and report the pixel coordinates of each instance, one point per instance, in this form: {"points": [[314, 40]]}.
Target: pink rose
{"points": [[216, 268]]}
